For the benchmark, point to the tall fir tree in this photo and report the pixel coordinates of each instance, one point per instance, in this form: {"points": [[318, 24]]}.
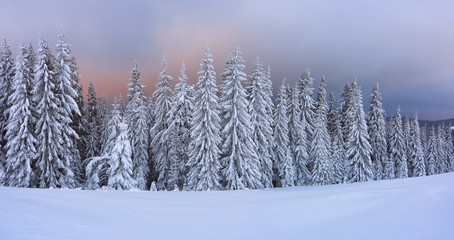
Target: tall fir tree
{"points": [[338, 153], [299, 147], [450, 149], [331, 116], [441, 163], [359, 150], [91, 111], [54, 170], [320, 153], [432, 153], [262, 120], [6, 79], [376, 127], [283, 158], [345, 112], [204, 165], [20, 137], [179, 120], [398, 151], [67, 106], [416, 157], [406, 133], [162, 95], [120, 171], [239, 156]]}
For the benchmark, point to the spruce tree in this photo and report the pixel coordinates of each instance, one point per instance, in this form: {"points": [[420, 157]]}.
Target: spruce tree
{"points": [[376, 127], [68, 107], [283, 158], [162, 95], [331, 116], [416, 158], [398, 151], [345, 112], [6, 79], [298, 141], [20, 137], [432, 153], [120, 171], [441, 163], [54, 171], [359, 149], [204, 165], [320, 153], [450, 149], [406, 133], [91, 111], [338, 153], [262, 120], [179, 120], [239, 157], [307, 104]]}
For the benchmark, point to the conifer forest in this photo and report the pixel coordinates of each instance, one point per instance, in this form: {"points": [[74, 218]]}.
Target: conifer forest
{"points": [[220, 134]]}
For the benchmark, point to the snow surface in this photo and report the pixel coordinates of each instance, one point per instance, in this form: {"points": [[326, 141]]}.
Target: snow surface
{"points": [[415, 208]]}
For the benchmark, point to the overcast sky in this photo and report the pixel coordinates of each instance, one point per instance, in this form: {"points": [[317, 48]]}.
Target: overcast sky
{"points": [[405, 46]]}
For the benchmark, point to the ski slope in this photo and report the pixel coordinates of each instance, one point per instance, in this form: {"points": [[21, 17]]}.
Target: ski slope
{"points": [[415, 208]]}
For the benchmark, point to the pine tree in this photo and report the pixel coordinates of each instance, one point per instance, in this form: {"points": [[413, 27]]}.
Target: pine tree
{"points": [[406, 133], [389, 171], [298, 141], [262, 120], [120, 171], [53, 170], [331, 116], [398, 152], [416, 158], [203, 165], [376, 127], [283, 158], [6, 79], [441, 163], [159, 143], [322, 173], [432, 153], [92, 144], [21, 141], [450, 149], [359, 149], [307, 104], [135, 86], [78, 121], [67, 105], [338, 153], [241, 163], [179, 120], [345, 112]]}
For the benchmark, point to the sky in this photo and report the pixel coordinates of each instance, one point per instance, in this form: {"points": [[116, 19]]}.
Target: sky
{"points": [[406, 46]]}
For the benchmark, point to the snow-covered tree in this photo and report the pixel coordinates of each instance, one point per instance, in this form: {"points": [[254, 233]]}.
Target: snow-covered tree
{"points": [[307, 104], [298, 141], [135, 86], [345, 112], [397, 150], [338, 153], [359, 150], [120, 171], [376, 127], [406, 134], [283, 158], [160, 146], [179, 120], [91, 111], [416, 157], [432, 153], [6, 79], [441, 164], [20, 137], [68, 107], [450, 149], [331, 115], [320, 152], [54, 171], [204, 165], [260, 109], [239, 157], [96, 172]]}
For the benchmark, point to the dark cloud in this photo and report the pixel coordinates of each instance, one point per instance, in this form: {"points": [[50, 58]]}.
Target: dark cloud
{"points": [[406, 46]]}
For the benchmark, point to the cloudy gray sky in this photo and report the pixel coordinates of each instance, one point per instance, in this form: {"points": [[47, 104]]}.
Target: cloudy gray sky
{"points": [[406, 46]]}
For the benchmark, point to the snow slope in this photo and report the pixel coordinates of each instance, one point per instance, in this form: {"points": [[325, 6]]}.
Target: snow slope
{"points": [[416, 208]]}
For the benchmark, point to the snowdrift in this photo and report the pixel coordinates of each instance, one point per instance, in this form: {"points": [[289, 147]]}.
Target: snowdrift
{"points": [[415, 208]]}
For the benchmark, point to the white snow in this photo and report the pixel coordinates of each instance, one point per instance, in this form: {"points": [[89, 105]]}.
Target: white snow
{"points": [[414, 208]]}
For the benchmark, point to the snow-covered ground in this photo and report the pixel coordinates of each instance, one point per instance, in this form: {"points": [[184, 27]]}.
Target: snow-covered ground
{"points": [[416, 208]]}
